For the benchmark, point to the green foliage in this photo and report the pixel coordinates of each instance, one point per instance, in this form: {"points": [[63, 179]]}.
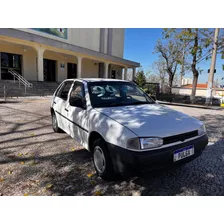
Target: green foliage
{"points": [[197, 45], [146, 90], [194, 40], [140, 78]]}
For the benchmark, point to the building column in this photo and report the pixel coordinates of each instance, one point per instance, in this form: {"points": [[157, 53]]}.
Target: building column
{"points": [[0, 67], [133, 74], [40, 64], [79, 67], [124, 73], [106, 69]]}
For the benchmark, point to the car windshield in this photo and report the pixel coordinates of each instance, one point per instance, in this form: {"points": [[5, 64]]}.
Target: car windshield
{"points": [[115, 93]]}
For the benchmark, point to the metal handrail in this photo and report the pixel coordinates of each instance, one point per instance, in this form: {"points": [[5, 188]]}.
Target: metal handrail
{"points": [[20, 78]]}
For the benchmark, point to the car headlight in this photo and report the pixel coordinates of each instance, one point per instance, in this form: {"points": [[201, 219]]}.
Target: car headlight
{"points": [[144, 143], [202, 130], [148, 143]]}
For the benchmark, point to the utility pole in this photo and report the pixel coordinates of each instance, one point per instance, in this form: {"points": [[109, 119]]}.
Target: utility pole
{"points": [[212, 68]]}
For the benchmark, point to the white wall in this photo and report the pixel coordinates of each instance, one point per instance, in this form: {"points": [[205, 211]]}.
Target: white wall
{"points": [[184, 91]]}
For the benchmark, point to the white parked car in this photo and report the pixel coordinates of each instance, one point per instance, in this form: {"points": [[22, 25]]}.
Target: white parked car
{"points": [[123, 127]]}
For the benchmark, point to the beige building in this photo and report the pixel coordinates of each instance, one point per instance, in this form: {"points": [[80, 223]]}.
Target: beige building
{"points": [[55, 54]]}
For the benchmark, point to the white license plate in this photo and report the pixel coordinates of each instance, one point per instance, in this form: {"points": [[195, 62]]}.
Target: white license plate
{"points": [[183, 153]]}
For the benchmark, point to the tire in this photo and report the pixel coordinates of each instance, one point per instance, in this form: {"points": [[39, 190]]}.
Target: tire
{"points": [[102, 160], [55, 124]]}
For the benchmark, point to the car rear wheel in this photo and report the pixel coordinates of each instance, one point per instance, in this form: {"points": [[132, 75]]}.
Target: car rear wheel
{"points": [[55, 124], [102, 161]]}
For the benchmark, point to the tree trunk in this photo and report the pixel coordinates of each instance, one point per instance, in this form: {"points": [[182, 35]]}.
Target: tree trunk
{"points": [[170, 82], [162, 85], [193, 68], [194, 87]]}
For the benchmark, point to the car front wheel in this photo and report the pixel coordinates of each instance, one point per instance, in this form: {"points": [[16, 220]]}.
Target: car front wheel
{"points": [[102, 161]]}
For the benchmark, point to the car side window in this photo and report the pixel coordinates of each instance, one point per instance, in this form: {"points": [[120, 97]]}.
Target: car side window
{"points": [[64, 90], [77, 91]]}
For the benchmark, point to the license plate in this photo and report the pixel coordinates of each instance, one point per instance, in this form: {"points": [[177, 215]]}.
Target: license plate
{"points": [[183, 153]]}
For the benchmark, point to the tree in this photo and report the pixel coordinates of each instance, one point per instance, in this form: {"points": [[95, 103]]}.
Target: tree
{"points": [[140, 78], [197, 44], [170, 51], [159, 69]]}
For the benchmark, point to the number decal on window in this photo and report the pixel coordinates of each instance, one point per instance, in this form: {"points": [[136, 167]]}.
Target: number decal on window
{"points": [[111, 90], [100, 91]]}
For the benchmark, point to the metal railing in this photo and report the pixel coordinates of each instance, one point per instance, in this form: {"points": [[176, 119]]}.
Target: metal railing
{"points": [[21, 79]]}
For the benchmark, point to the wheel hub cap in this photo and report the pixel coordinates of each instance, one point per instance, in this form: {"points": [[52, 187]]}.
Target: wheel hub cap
{"points": [[99, 159]]}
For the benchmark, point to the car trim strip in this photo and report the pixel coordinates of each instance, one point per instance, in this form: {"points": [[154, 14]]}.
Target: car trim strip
{"points": [[72, 122]]}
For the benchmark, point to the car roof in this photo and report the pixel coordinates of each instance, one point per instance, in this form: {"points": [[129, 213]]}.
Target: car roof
{"points": [[97, 80]]}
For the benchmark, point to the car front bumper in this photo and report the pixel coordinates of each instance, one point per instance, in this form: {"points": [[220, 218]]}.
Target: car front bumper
{"points": [[154, 159]]}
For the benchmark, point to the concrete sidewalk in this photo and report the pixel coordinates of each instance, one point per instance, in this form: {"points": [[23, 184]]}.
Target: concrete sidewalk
{"points": [[191, 105]]}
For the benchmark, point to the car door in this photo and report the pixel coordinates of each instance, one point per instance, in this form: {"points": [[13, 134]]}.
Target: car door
{"points": [[60, 105], [78, 114]]}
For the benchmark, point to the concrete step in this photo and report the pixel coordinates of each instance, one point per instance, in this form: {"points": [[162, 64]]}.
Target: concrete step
{"points": [[38, 89]]}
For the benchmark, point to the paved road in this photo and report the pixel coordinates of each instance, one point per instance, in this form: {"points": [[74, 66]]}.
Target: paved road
{"points": [[36, 161]]}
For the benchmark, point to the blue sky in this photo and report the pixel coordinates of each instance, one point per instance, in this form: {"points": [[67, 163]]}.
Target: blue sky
{"points": [[139, 47]]}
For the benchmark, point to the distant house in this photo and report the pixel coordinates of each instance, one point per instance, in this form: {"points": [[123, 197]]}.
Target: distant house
{"points": [[199, 86], [201, 90]]}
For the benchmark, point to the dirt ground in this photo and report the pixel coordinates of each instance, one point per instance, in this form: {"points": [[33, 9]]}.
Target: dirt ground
{"points": [[36, 161]]}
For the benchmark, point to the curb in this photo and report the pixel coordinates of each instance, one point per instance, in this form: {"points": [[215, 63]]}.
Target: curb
{"points": [[193, 106]]}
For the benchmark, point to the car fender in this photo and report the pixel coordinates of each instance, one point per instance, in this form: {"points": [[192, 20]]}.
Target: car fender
{"points": [[112, 131]]}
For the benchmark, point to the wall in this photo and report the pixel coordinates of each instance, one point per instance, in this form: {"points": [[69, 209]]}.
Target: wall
{"points": [[118, 42], [89, 38], [182, 91], [83, 37], [61, 73], [89, 70], [29, 63], [86, 37]]}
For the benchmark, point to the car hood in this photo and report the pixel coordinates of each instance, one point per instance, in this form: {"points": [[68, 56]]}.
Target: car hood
{"points": [[152, 120]]}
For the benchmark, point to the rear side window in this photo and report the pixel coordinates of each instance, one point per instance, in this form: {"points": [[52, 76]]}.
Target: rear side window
{"points": [[78, 90], [64, 90]]}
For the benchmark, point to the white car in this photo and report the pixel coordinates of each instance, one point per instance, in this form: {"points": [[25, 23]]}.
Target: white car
{"points": [[123, 127]]}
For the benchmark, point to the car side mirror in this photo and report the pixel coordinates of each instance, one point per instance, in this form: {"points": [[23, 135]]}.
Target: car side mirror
{"points": [[153, 97], [77, 102]]}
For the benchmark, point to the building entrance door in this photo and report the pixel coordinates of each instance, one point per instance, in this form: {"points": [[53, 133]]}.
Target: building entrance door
{"points": [[113, 74], [10, 61], [71, 71], [49, 70]]}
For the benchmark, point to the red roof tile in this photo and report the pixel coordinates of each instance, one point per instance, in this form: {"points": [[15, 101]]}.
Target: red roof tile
{"points": [[199, 86]]}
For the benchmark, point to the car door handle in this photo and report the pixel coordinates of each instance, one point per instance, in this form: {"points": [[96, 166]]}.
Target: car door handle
{"points": [[66, 109], [55, 102]]}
